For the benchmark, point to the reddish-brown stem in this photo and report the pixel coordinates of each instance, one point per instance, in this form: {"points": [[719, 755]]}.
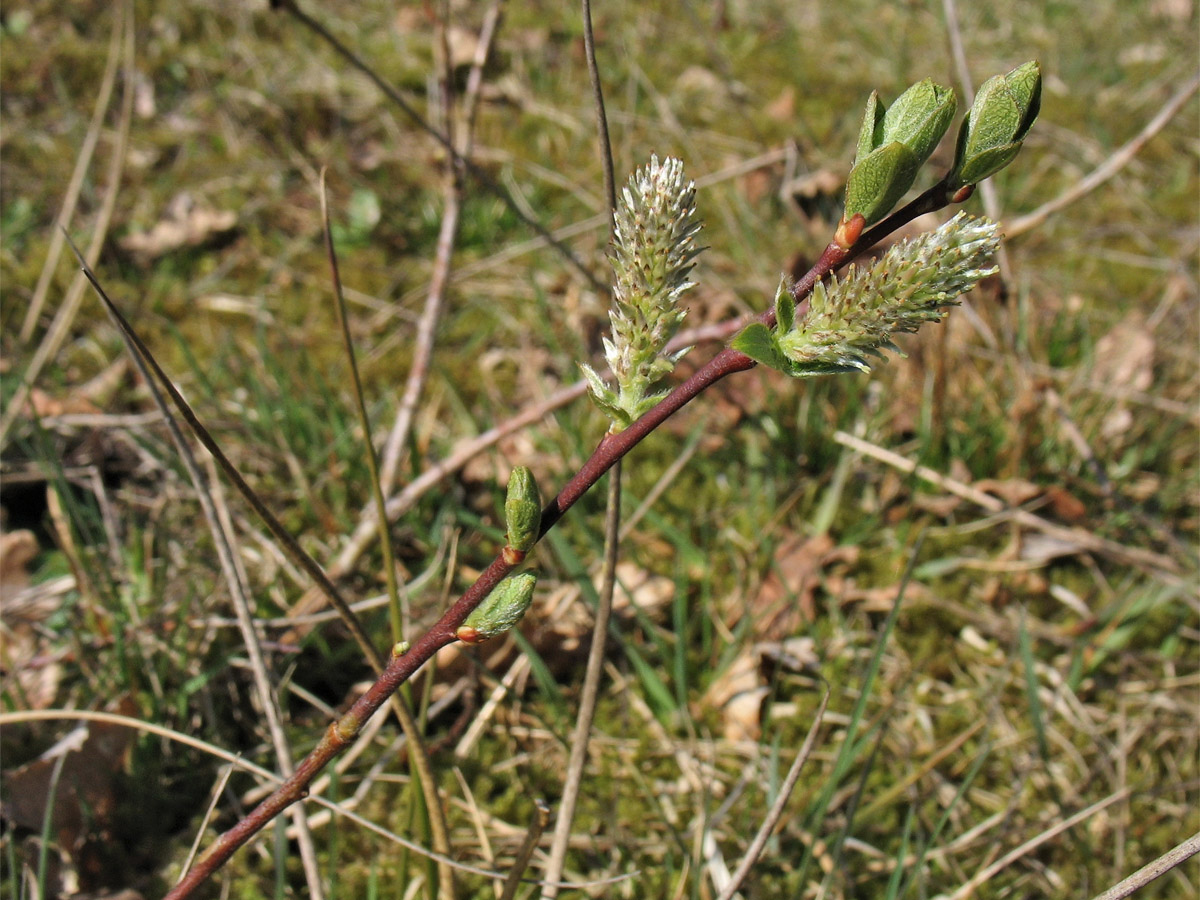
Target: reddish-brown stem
{"points": [[610, 449]]}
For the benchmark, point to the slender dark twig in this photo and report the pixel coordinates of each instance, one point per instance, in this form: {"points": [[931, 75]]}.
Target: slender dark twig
{"points": [[605, 145], [223, 544], [479, 175], [418, 752], [589, 694]]}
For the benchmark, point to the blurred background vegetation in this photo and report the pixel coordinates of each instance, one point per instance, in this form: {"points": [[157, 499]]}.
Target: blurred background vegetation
{"points": [[1027, 677]]}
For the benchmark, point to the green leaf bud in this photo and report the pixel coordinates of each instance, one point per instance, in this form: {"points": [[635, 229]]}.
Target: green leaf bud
{"points": [[500, 610], [878, 182], [522, 510], [995, 127], [893, 143], [919, 118]]}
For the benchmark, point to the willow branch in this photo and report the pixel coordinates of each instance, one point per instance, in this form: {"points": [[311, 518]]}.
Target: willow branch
{"points": [[611, 449]]}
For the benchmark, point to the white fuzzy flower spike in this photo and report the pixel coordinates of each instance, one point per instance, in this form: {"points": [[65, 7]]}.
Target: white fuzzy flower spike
{"points": [[653, 252], [854, 318]]}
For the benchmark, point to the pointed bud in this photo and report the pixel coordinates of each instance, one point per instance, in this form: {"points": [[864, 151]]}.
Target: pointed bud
{"points": [[994, 129], [500, 610], [919, 118], [522, 510], [877, 183], [893, 144], [869, 135]]}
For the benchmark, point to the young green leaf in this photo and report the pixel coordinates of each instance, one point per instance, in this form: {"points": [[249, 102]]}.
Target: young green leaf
{"points": [[758, 342]]}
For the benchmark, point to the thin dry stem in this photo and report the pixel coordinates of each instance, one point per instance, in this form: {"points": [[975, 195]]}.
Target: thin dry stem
{"points": [[775, 813], [1174, 857], [987, 191], [1163, 566], [436, 297], [217, 791], [986, 873], [418, 752], [82, 161], [590, 693], [423, 341], [57, 332], [1110, 167], [471, 95], [364, 420], [612, 541], [537, 825]]}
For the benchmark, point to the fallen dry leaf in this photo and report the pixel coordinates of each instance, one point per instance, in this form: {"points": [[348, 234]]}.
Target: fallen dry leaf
{"points": [[941, 505], [756, 184], [463, 44], [881, 599], [17, 550], [699, 81], [44, 406], [185, 224], [1124, 358], [1043, 548], [90, 760], [1066, 506], [739, 691], [785, 601], [1174, 10], [26, 661], [1013, 491], [783, 107]]}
